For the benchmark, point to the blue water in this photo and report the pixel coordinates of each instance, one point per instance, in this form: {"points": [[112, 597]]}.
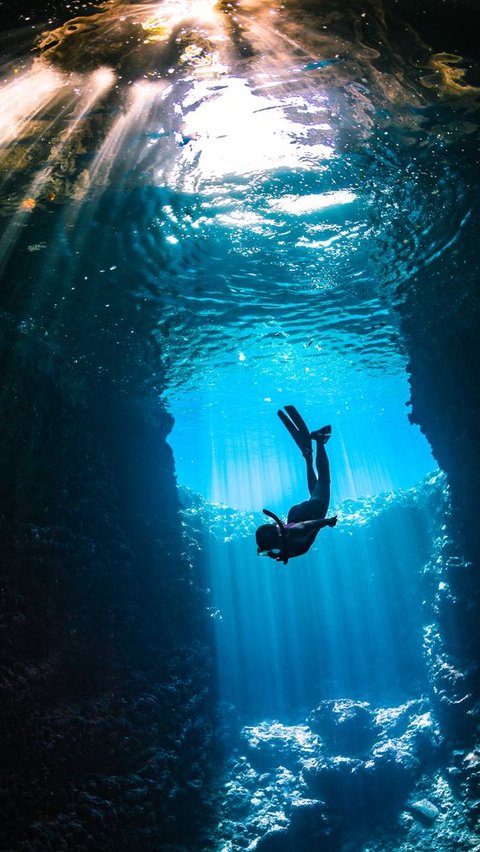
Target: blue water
{"points": [[232, 449], [222, 233], [342, 619]]}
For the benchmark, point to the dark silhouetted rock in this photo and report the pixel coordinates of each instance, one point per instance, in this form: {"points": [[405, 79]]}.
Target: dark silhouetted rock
{"points": [[338, 780], [348, 727]]}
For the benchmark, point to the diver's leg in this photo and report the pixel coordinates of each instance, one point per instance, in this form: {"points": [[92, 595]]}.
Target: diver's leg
{"points": [[321, 490], [316, 507], [311, 475]]}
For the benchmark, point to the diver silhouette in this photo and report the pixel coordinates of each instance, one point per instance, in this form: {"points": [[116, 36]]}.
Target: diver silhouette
{"points": [[282, 541]]}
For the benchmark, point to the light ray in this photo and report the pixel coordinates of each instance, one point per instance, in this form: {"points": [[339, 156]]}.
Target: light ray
{"points": [[24, 98], [142, 97], [97, 84]]}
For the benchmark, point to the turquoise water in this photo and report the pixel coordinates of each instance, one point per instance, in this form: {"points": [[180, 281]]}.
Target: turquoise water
{"points": [[342, 619]]}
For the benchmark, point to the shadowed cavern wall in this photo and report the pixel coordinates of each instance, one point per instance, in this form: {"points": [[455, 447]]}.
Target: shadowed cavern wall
{"points": [[440, 318], [106, 664], [440, 321]]}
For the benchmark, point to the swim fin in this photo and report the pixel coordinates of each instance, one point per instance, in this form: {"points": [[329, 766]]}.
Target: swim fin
{"points": [[322, 435], [296, 426], [297, 419]]}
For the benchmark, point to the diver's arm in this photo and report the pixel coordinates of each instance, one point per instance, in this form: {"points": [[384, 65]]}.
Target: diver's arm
{"points": [[310, 526], [298, 538]]}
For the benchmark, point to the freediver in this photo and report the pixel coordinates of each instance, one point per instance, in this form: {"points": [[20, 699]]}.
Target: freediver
{"points": [[282, 541]]}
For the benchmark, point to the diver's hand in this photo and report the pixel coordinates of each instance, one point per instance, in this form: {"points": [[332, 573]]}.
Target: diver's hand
{"points": [[332, 522]]}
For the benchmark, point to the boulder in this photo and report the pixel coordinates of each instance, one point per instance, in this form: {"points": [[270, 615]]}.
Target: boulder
{"points": [[424, 809], [348, 727], [338, 780], [271, 744]]}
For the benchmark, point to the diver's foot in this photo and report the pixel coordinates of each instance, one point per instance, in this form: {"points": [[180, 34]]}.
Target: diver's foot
{"points": [[321, 435]]}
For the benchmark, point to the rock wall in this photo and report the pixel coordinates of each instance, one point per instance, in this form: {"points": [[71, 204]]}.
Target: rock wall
{"points": [[106, 664], [440, 322]]}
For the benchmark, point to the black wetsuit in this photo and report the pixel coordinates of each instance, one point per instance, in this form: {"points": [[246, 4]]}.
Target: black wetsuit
{"points": [[296, 538], [306, 519], [316, 507]]}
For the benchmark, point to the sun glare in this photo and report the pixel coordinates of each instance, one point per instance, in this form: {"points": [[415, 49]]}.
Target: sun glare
{"points": [[23, 99], [239, 132], [298, 205]]}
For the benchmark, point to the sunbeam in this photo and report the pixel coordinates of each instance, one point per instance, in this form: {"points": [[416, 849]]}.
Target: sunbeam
{"points": [[92, 89], [24, 98]]}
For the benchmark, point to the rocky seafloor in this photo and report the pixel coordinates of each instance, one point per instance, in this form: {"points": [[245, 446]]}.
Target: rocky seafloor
{"points": [[351, 777]]}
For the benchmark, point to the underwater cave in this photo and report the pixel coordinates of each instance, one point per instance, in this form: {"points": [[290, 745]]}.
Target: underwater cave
{"points": [[210, 211]]}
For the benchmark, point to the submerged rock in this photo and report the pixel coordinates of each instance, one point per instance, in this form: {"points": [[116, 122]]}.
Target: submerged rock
{"points": [[308, 829], [424, 808], [261, 806], [396, 742], [349, 727], [271, 743], [294, 782], [337, 779]]}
